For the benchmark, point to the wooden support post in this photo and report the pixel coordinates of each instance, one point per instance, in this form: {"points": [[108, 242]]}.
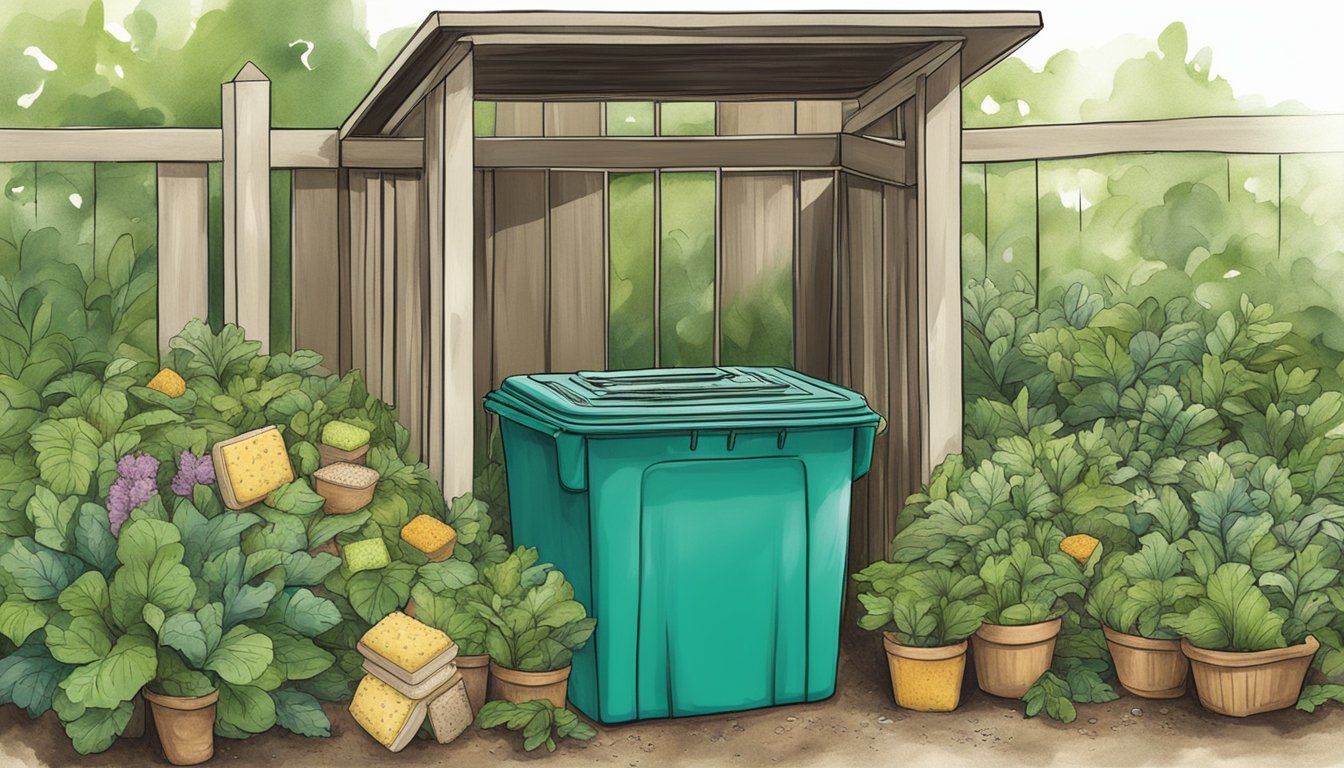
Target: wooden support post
{"points": [[317, 271], [184, 246], [938, 126], [247, 202], [449, 177]]}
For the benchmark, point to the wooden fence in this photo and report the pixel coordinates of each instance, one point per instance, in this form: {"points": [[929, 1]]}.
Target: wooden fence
{"points": [[378, 251]]}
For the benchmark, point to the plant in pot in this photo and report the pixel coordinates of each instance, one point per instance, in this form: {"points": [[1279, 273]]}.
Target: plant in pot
{"points": [[533, 627], [1023, 600], [1250, 653], [1133, 599], [926, 613], [443, 599]]}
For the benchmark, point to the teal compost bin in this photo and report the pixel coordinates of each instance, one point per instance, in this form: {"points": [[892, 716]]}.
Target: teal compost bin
{"points": [[702, 516]]}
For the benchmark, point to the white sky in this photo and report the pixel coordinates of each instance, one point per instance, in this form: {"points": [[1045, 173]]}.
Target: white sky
{"points": [[1281, 50]]}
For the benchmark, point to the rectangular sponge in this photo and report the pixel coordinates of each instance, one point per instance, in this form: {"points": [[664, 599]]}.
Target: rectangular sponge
{"points": [[251, 466], [405, 642], [385, 714], [430, 535]]}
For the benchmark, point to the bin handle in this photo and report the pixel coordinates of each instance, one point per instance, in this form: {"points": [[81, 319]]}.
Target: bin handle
{"points": [[571, 454]]}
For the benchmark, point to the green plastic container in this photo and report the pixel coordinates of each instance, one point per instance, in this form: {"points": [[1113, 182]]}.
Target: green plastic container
{"points": [[702, 516]]}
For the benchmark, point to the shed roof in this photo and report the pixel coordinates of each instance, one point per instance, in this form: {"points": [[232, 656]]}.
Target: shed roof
{"points": [[558, 56]]}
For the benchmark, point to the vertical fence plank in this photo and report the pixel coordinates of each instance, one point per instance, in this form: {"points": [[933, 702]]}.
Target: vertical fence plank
{"points": [[867, 351], [409, 310], [357, 187], [578, 311], [372, 277], [756, 326], [387, 297], [902, 440], [483, 320], [246, 131], [431, 181], [184, 245], [520, 273], [316, 268], [816, 262]]}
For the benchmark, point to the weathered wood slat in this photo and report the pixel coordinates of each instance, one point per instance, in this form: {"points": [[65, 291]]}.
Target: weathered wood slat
{"points": [[572, 118], [355, 287], [483, 289], [373, 282], [905, 350], [757, 242], [520, 336], [578, 311], [756, 118], [880, 159], [432, 180], [184, 245], [518, 118], [819, 116], [408, 305], [382, 153], [640, 153], [814, 283], [316, 280]]}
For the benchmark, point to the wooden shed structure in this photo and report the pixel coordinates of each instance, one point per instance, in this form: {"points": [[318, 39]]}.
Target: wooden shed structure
{"points": [[460, 259]]}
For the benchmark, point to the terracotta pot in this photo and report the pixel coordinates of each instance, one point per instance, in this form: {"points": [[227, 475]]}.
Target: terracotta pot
{"points": [[925, 679], [475, 671], [1238, 684], [1152, 669], [1009, 659], [518, 687], [186, 726], [326, 454]]}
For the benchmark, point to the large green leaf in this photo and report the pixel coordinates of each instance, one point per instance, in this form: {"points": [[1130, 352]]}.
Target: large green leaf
{"points": [[29, 676], [67, 454], [375, 594], [300, 713], [39, 572], [310, 615], [52, 519], [243, 709], [1233, 615], [117, 677], [241, 656], [96, 729]]}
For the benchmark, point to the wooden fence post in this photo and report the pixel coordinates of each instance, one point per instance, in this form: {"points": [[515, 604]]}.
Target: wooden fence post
{"points": [[449, 178], [317, 271], [938, 131], [184, 246], [246, 131]]}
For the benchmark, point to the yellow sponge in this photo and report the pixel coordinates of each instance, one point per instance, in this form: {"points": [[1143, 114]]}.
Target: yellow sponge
{"points": [[383, 712], [251, 465], [430, 535], [168, 382], [406, 642]]}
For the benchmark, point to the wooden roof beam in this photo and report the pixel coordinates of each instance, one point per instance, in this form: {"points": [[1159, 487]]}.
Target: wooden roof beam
{"points": [[899, 86]]}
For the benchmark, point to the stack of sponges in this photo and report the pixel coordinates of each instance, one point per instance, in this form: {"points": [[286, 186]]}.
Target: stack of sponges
{"points": [[412, 674]]}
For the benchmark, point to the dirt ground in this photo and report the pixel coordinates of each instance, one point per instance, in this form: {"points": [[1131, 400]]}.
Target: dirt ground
{"points": [[858, 726]]}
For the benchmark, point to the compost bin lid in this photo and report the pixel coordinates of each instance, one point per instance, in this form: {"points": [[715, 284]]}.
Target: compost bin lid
{"points": [[593, 402]]}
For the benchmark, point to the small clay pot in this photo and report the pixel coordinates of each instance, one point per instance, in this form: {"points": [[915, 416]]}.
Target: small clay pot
{"points": [[518, 687], [475, 671], [925, 679], [343, 497], [1238, 684], [1151, 669], [1009, 659], [186, 726], [326, 454]]}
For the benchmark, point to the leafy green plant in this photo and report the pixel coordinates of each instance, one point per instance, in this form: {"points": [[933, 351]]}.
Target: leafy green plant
{"points": [[540, 722], [1141, 589], [1233, 614], [1022, 587], [924, 605], [533, 622]]}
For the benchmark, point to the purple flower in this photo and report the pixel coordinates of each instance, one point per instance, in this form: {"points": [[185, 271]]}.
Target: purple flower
{"points": [[192, 470], [135, 485]]}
